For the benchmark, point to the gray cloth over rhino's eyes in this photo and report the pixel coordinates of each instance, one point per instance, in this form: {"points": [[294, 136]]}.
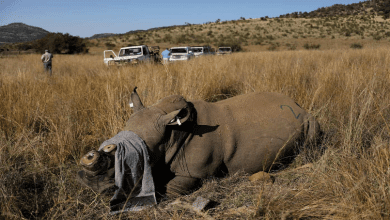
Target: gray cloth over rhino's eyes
{"points": [[133, 173]]}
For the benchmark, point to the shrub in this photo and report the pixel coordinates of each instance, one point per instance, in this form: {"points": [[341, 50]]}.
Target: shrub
{"points": [[258, 41], [291, 46], [272, 47], [24, 46], [270, 37], [356, 46], [311, 46], [182, 38], [167, 38], [110, 45], [377, 37], [61, 43]]}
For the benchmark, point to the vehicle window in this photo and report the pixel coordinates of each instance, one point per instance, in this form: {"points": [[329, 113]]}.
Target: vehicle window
{"points": [[224, 49], [197, 50], [130, 52], [145, 50], [179, 50]]}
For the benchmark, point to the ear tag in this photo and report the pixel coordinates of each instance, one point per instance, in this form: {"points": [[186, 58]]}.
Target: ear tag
{"points": [[178, 121], [131, 105]]}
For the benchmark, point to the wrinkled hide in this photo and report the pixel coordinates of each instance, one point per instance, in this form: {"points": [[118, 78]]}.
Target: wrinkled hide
{"points": [[190, 141]]}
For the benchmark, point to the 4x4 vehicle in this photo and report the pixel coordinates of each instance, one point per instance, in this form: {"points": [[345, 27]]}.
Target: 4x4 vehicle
{"points": [[181, 53], [224, 50], [133, 55], [201, 50]]}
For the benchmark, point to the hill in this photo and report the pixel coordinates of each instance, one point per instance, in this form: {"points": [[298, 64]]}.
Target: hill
{"points": [[369, 7], [337, 26], [104, 35], [20, 32], [262, 34], [96, 36]]}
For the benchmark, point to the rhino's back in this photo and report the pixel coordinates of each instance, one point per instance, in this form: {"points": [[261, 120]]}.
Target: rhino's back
{"points": [[252, 128]]}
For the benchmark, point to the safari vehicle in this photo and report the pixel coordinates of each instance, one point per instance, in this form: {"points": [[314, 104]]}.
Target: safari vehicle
{"points": [[181, 53], [132, 55], [201, 50], [224, 50]]}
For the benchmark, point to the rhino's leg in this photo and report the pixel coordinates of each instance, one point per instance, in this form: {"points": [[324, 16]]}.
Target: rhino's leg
{"points": [[181, 185]]}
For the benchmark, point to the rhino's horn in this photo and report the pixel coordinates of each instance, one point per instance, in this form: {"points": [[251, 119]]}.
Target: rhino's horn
{"points": [[136, 100]]}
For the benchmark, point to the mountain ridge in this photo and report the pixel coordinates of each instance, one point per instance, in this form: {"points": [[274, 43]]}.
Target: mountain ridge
{"points": [[20, 32]]}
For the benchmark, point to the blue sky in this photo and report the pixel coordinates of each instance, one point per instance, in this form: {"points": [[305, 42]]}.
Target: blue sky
{"points": [[85, 18]]}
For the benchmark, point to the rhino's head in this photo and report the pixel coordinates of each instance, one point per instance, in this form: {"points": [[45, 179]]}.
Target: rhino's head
{"points": [[150, 123]]}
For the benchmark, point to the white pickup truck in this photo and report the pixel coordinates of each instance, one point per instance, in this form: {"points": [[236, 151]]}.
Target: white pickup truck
{"points": [[201, 50], [129, 55], [181, 53], [224, 50]]}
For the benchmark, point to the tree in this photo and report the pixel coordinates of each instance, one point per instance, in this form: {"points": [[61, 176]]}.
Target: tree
{"points": [[61, 43]]}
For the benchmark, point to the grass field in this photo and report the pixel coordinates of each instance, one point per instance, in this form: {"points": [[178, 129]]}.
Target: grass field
{"points": [[48, 123]]}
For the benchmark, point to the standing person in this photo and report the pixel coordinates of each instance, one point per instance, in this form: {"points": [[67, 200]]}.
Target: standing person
{"points": [[165, 54], [46, 59]]}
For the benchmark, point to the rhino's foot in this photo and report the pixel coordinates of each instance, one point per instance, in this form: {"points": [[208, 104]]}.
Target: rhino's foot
{"points": [[181, 185]]}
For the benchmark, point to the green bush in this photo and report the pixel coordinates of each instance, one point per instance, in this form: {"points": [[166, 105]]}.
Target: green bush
{"points": [[110, 45], [180, 39], [291, 46], [24, 46], [377, 37], [272, 47], [61, 43], [311, 46], [356, 46], [167, 38]]}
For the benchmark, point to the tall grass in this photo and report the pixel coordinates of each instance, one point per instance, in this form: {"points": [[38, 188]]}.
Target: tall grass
{"points": [[48, 123]]}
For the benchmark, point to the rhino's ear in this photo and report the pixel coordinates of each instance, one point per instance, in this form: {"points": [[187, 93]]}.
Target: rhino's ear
{"points": [[136, 103], [177, 117]]}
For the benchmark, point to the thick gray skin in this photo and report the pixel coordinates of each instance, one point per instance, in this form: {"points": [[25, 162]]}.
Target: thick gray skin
{"points": [[251, 132]]}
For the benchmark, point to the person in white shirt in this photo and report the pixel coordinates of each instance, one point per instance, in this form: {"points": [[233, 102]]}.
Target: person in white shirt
{"points": [[46, 59]]}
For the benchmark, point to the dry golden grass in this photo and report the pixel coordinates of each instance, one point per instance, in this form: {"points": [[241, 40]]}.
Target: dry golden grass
{"points": [[48, 123]]}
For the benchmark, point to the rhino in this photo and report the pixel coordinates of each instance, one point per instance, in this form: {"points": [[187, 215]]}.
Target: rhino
{"points": [[188, 141]]}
